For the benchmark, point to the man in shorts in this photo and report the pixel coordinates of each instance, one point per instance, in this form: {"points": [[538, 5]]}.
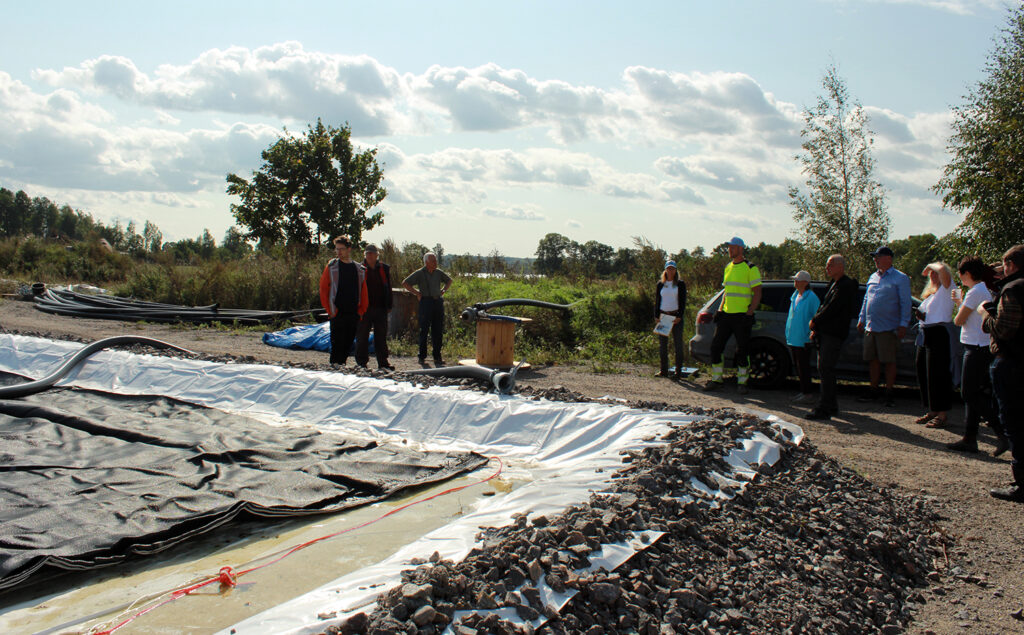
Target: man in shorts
{"points": [[884, 318]]}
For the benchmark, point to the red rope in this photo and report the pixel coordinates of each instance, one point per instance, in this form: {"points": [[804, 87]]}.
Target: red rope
{"points": [[229, 578]]}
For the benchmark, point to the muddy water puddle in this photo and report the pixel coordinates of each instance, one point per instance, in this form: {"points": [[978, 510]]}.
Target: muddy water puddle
{"points": [[76, 602]]}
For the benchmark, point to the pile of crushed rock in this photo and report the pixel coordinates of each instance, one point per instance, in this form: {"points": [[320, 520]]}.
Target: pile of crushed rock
{"points": [[807, 547]]}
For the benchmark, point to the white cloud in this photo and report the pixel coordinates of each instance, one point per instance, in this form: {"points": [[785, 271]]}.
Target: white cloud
{"points": [[573, 224], [281, 80], [959, 7], [514, 213], [729, 173], [682, 194]]}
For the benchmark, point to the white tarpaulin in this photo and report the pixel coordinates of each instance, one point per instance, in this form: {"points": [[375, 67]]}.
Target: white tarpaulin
{"points": [[561, 445]]}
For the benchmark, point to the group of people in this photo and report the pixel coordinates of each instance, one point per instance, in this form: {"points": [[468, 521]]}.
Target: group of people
{"points": [[357, 298], [987, 324]]}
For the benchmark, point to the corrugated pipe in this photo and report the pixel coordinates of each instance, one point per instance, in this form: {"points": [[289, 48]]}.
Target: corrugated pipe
{"points": [[39, 385]]}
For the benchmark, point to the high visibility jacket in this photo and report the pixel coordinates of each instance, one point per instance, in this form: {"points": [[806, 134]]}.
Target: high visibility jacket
{"points": [[739, 282]]}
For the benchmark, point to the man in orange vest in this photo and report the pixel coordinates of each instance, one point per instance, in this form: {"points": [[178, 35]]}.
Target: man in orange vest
{"points": [[343, 295]]}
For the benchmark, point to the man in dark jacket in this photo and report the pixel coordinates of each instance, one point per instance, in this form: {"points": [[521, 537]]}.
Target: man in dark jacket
{"points": [[378, 291], [1004, 321], [343, 296], [829, 328]]}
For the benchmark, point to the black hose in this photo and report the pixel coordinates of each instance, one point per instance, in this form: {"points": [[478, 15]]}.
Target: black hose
{"points": [[39, 385], [484, 306], [502, 381]]}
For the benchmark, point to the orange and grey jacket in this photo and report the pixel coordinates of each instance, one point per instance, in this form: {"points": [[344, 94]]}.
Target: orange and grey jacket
{"points": [[329, 288]]}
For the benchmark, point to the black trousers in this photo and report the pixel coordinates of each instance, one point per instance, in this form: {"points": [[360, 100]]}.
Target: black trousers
{"points": [[431, 316], [802, 361], [933, 375], [829, 347], [343, 331], [1007, 378], [677, 342], [376, 319], [976, 389], [728, 325]]}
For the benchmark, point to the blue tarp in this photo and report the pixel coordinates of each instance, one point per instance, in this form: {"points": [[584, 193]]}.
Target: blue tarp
{"points": [[314, 337]]}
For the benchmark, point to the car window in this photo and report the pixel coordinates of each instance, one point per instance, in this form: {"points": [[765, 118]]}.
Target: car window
{"points": [[775, 297]]}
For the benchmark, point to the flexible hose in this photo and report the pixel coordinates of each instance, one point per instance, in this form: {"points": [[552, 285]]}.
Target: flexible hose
{"points": [[39, 385], [502, 381], [484, 306]]}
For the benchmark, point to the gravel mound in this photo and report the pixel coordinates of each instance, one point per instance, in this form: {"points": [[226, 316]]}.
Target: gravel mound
{"points": [[808, 547]]}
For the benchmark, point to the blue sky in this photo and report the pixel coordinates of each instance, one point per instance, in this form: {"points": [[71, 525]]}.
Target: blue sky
{"points": [[497, 123]]}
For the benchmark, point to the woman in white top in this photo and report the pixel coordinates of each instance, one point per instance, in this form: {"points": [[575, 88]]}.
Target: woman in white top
{"points": [[975, 383], [670, 299], [934, 377]]}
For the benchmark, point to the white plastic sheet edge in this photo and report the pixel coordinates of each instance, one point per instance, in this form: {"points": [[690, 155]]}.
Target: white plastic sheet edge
{"points": [[564, 444]]}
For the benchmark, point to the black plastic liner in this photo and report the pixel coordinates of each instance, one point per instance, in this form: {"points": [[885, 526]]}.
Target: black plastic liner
{"points": [[88, 480]]}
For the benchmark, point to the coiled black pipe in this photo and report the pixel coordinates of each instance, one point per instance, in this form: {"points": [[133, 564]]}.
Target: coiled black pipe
{"points": [[502, 381], [39, 385], [117, 308]]}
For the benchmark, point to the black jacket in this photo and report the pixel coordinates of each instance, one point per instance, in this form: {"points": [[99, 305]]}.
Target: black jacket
{"points": [[681, 288], [382, 275], [1006, 319], [838, 308]]}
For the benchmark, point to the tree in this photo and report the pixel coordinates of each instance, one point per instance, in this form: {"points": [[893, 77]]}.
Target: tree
{"points": [[152, 237], [844, 209], [551, 253], [310, 189], [595, 258], [234, 244], [985, 177]]}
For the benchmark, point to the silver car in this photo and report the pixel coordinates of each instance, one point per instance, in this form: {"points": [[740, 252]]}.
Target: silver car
{"points": [[770, 362]]}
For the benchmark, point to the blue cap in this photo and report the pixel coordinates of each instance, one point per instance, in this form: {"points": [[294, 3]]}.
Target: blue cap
{"points": [[736, 240], [670, 263], [882, 251]]}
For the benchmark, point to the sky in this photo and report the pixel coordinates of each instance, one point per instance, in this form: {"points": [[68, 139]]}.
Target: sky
{"points": [[496, 123]]}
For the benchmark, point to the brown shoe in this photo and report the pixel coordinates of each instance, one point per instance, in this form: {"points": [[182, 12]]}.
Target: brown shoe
{"points": [[964, 445], [1002, 445]]}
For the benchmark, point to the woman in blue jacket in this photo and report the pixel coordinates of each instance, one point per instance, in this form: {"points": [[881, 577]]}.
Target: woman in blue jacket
{"points": [[803, 305]]}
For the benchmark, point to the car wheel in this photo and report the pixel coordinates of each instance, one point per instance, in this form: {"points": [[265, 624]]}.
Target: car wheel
{"points": [[769, 363]]}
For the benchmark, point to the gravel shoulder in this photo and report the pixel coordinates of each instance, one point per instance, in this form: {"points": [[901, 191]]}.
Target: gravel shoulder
{"points": [[984, 591]]}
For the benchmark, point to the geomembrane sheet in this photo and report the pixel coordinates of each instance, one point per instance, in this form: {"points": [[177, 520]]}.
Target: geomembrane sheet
{"points": [[88, 479]]}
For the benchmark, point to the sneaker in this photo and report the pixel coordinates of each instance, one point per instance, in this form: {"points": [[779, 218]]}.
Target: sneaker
{"points": [[438, 361], [661, 373], [712, 386], [422, 360], [804, 398], [1013, 493], [818, 415], [742, 389], [868, 397], [889, 400], [964, 445], [386, 366]]}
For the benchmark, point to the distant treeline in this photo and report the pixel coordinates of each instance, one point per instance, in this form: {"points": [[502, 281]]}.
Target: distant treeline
{"points": [[23, 217]]}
